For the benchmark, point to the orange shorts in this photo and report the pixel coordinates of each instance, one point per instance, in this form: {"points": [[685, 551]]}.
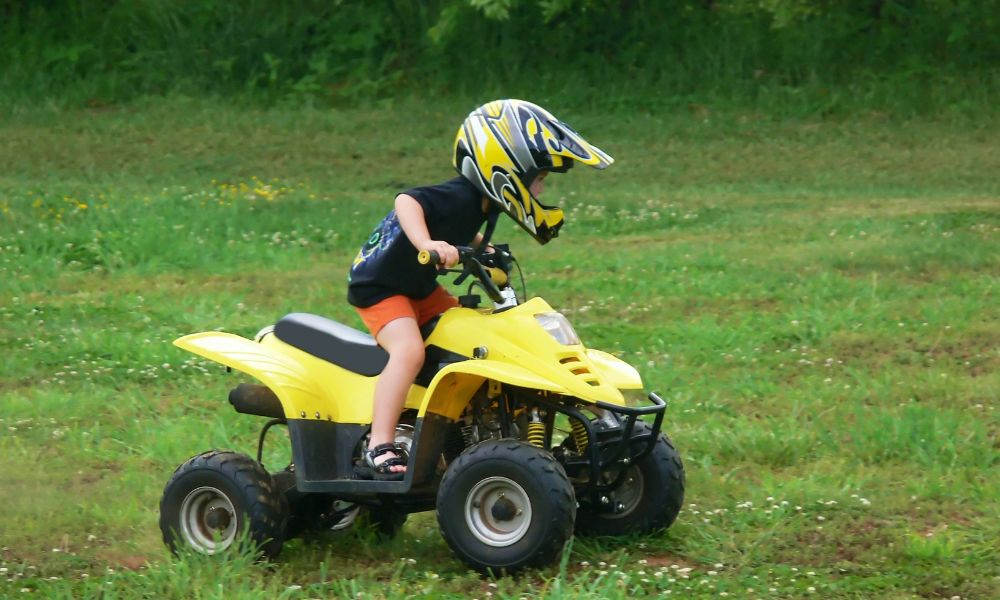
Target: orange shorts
{"points": [[381, 313]]}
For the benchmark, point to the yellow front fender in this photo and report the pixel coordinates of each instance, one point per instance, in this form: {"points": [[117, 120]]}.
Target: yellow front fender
{"points": [[453, 386], [614, 370]]}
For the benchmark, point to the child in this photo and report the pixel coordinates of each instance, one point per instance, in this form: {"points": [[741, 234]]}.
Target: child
{"points": [[503, 152]]}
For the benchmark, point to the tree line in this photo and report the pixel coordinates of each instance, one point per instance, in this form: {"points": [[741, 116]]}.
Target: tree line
{"points": [[324, 50]]}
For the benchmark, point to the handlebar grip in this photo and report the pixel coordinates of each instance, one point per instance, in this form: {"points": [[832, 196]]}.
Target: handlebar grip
{"points": [[430, 257]]}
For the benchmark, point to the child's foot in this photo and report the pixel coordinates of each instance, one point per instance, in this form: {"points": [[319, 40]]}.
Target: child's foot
{"points": [[385, 462]]}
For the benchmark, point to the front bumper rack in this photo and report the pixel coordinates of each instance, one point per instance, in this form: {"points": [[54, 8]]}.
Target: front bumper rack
{"points": [[609, 446]]}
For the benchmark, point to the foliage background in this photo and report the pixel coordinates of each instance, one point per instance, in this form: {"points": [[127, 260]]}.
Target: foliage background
{"points": [[807, 55]]}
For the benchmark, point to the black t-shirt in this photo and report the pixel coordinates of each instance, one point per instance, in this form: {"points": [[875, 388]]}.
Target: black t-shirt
{"points": [[387, 264]]}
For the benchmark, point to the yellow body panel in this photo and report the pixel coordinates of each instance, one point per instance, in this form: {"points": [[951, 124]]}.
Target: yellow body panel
{"points": [[518, 350]]}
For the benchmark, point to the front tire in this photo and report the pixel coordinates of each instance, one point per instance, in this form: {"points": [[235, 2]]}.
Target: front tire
{"points": [[216, 497], [504, 505], [651, 494]]}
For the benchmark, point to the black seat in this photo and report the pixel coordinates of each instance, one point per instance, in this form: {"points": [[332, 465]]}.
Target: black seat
{"points": [[333, 342]]}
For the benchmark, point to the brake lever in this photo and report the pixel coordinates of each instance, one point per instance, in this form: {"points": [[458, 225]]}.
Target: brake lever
{"points": [[489, 287]]}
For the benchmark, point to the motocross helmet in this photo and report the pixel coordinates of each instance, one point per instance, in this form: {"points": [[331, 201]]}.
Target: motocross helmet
{"points": [[504, 144]]}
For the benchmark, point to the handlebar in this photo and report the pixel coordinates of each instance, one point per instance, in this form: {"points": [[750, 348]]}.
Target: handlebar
{"points": [[492, 278]]}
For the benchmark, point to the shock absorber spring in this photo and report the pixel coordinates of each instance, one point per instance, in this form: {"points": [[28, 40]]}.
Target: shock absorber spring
{"points": [[536, 430], [579, 435], [469, 435]]}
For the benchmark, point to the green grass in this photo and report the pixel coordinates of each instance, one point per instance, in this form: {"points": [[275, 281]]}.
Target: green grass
{"points": [[817, 299]]}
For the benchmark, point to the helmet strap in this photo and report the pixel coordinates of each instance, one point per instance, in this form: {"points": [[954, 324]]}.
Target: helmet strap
{"points": [[491, 224]]}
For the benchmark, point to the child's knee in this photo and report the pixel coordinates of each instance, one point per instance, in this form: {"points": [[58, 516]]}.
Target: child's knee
{"points": [[411, 354]]}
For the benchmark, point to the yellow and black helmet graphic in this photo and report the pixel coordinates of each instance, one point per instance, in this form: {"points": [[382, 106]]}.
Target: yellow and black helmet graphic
{"points": [[504, 144]]}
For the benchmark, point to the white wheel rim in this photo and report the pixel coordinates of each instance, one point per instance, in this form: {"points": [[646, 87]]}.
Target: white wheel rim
{"points": [[208, 520], [498, 512]]}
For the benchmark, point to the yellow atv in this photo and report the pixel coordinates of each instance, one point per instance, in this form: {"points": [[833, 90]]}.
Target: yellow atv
{"points": [[516, 433]]}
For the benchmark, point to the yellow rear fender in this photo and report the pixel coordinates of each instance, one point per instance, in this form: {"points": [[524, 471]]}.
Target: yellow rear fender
{"points": [[288, 379]]}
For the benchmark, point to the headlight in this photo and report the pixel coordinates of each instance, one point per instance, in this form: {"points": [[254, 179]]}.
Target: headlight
{"points": [[558, 327]]}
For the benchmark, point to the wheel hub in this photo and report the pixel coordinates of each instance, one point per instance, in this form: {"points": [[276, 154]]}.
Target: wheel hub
{"points": [[498, 511], [217, 518], [208, 520], [624, 499], [503, 510]]}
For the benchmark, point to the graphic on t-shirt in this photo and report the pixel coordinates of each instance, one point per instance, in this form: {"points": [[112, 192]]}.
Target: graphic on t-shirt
{"points": [[381, 238]]}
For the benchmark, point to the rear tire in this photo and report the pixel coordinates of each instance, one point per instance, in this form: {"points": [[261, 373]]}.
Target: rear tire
{"points": [[215, 498], [504, 505], [652, 494]]}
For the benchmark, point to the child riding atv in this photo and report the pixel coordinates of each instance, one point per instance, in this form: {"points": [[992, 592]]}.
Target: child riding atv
{"points": [[503, 151]]}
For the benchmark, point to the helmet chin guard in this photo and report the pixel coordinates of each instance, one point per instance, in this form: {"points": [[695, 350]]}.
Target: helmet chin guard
{"points": [[503, 145]]}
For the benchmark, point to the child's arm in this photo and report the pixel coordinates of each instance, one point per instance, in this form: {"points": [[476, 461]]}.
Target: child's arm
{"points": [[411, 219], [478, 242]]}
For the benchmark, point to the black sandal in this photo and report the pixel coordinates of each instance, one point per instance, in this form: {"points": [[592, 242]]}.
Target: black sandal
{"points": [[383, 470]]}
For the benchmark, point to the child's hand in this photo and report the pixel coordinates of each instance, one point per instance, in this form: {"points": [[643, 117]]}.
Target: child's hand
{"points": [[447, 252]]}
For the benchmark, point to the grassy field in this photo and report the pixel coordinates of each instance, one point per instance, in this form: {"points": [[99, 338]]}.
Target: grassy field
{"points": [[817, 299]]}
